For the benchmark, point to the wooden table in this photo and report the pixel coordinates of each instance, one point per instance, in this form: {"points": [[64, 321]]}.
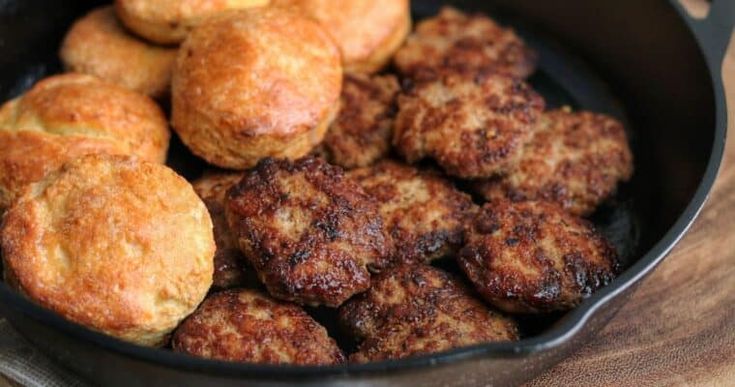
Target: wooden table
{"points": [[679, 327]]}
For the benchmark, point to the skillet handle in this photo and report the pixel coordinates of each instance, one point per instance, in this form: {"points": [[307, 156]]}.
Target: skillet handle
{"points": [[713, 32]]}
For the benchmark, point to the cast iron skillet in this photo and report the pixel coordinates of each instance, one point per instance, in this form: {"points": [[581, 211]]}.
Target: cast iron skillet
{"points": [[647, 63]]}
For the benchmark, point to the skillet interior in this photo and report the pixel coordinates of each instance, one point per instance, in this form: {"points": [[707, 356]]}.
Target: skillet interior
{"points": [[670, 128]]}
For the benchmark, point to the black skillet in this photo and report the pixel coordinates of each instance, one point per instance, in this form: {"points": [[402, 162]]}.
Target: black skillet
{"points": [[645, 62]]}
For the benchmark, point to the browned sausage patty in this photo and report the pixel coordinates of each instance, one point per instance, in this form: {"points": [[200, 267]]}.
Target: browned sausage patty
{"points": [[418, 309], [309, 231], [230, 266], [467, 43], [362, 132], [248, 326], [531, 257], [423, 212], [473, 126], [573, 159]]}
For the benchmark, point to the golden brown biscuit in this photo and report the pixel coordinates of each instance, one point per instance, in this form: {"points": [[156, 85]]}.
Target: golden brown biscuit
{"points": [[170, 21], [531, 257], [367, 32], [362, 132], [248, 326], [230, 266], [423, 212], [474, 126], [465, 43], [573, 159], [418, 309], [308, 230], [98, 45], [66, 116], [121, 246], [255, 83]]}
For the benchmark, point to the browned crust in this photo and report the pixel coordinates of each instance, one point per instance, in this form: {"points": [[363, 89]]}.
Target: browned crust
{"points": [[248, 326], [465, 43], [575, 159], [98, 45], [418, 309], [423, 212], [308, 231], [473, 126], [362, 132], [121, 246], [240, 92], [532, 257], [367, 32]]}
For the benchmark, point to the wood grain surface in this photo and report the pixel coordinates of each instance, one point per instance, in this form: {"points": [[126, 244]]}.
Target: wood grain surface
{"points": [[679, 327]]}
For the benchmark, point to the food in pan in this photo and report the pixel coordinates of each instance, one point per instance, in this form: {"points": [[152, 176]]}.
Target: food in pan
{"points": [[248, 326], [473, 126], [423, 212], [255, 83], [574, 159], [367, 32], [169, 21], [362, 132], [418, 309], [532, 257], [230, 267], [309, 231], [464, 43], [67, 116], [122, 246], [98, 45]]}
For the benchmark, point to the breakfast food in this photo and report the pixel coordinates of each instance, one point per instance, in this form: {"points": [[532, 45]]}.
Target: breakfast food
{"points": [[66, 116], [240, 90], [98, 45], [230, 267], [367, 32], [422, 211], [418, 309], [169, 21], [574, 159], [248, 326], [308, 230], [362, 132], [531, 257], [119, 245], [465, 43], [473, 126]]}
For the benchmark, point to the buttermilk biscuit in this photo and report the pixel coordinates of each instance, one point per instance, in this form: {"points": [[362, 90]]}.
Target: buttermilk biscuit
{"points": [[309, 231], [418, 309], [573, 159], [474, 126], [66, 116], [248, 326], [362, 132], [423, 212], [169, 21], [465, 43], [255, 83], [230, 266], [121, 246], [367, 32], [531, 257], [98, 45]]}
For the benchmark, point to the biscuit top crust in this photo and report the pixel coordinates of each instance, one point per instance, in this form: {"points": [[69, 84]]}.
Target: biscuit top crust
{"points": [[456, 41], [309, 231], [83, 105], [120, 246], [474, 126], [248, 326], [256, 71]]}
